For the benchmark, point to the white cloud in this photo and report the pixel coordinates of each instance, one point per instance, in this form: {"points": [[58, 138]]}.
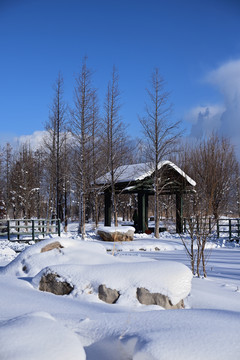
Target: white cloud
{"points": [[35, 140], [227, 80], [224, 118], [205, 119]]}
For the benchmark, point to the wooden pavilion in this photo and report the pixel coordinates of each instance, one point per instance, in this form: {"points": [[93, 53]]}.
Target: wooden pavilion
{"points": [[139, 178]]}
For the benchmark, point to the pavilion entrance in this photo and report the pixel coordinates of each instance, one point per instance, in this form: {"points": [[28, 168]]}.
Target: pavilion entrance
{"points": [[139, 179]]}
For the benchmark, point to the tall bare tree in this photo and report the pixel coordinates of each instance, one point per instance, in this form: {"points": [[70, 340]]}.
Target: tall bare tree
{"points": [[160, 133], [96, 169], [7, 163], [116, 151], [2, 200], [54, 142], [81, 129]]}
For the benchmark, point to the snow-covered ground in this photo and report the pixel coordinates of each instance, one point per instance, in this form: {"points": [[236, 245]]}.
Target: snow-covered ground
{"points": [[41, 325]]}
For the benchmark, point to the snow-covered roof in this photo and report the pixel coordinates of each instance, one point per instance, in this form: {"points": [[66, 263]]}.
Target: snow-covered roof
{"points": [[138, 172]]}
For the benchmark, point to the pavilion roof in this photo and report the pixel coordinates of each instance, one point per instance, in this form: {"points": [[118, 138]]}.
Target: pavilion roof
{"points": [[128, 176]]}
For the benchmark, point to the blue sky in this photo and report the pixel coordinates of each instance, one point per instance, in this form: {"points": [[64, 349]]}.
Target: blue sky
{"points": [[195, 44]]}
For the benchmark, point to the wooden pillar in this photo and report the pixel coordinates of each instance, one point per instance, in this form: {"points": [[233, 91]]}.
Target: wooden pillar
{"points": [[146, 211], [108, 208], [142, 211], [179, 213]]}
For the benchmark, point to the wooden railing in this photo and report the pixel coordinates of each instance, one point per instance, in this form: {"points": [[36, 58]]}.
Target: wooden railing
{"points": [[15, 229], [230, 227]]}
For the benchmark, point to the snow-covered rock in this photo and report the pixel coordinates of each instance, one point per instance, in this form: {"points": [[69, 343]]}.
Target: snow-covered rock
{"points": [[108, 295], [116, 233], [171, 279], [53, 284], [146, 297], [77, 267]]}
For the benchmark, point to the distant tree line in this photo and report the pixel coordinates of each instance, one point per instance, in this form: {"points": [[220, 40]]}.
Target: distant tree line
{"points": [[82, 143]]}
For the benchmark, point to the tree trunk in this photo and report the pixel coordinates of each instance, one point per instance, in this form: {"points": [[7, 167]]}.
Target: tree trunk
{"points": [[156, 205]]}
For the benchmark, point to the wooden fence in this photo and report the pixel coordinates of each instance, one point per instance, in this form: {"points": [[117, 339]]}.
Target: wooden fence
{"points": [[229, 227], [14, 229]]}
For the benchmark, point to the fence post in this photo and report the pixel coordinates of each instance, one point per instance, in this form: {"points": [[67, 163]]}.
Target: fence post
{"points": [[47, 226], [238, 229], [18, 230], [8, 229], [59, 227], [43, 228], [184, 225], [33, 230], [217, 228], [230, 229]]}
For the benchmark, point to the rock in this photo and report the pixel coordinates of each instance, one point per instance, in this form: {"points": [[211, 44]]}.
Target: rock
{"points": [[51, 283], [145, 297], [116, 235], [108, 295], [24, 268], [51, 246]]}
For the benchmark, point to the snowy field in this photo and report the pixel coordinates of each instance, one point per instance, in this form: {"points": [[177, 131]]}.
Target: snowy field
{"points": [[40, 325]]}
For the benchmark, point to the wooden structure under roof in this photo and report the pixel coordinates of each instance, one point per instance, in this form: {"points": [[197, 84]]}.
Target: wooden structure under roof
{"points": [[139, 178]]}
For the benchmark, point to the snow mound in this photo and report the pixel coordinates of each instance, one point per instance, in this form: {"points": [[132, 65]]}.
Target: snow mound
{"points": [[6, 254], [86, 265], [32, 260], [157, 335], [169, 278], [38, 336]]}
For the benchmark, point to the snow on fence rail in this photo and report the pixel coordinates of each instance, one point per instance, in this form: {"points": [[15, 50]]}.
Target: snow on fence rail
{"points": [[228, 226], [222, 226], [29, 227]]}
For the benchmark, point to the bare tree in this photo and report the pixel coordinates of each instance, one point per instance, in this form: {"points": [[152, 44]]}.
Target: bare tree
{"points": [[160, 133], [199, 225], [7, 163], [2, 200], [24, 184], [66, 175], [237, 189], [213, 165], [54, 142], [95, 154], [81, 129], [115, 149]]}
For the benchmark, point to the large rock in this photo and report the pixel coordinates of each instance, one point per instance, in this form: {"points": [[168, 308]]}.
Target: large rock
{"points": [[117, 235], [108, 295], [145, 297], [52, 283]]}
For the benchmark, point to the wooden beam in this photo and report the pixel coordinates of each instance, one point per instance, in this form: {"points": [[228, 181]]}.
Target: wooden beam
{"points": [[108, 208], [179, 213], [146, 211], [142, 211]]}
